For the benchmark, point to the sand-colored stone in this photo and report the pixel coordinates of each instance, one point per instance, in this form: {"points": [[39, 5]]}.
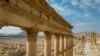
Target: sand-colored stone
{"points": [[61, 45], [56, 45], [33, 16], [93, 38], [65, 45], [47, 45]]}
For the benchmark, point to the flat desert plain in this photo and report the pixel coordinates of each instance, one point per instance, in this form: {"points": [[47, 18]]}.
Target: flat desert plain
{"points": [[16, 46]]}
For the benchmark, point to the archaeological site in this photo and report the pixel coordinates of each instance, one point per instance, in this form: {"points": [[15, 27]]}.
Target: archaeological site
{"points": [[58, 39]]}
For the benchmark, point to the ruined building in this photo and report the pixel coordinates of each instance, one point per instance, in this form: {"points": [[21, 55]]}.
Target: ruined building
{"points": [[34, 16]]}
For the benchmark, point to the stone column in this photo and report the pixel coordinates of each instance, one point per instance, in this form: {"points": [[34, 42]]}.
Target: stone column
{"points": [[68, 45], [31, 48], [47, 47], [56, 44], [61, 45], [65, 46], [72, 46], [91, 38], [94, 38]]}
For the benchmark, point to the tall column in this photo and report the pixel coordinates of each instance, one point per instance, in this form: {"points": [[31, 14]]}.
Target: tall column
{"points": [[31, 47], [47, 47], [65, 46], [90, 38], [61, 45], [94, 38], [91, 35], [69, 46], [56, 44], [72, 45]]}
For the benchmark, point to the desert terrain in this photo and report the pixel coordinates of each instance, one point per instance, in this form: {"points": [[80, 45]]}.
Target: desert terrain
{"points": [[84, 48], [16, 46]]}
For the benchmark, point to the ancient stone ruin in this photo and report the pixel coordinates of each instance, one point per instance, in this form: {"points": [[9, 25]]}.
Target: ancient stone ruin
{"points": [[34, 16]]}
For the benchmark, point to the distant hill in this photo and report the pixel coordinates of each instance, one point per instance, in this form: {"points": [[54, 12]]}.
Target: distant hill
{"points": [[86, 34], [22, 34], [2, 34], [82, 34]]}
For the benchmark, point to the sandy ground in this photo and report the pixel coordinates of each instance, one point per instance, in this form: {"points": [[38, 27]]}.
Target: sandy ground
{"points": [[87, 51], [13, 42]]}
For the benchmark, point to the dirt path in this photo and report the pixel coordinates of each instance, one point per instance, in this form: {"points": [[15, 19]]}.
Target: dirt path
{"points": [[87, 51]]}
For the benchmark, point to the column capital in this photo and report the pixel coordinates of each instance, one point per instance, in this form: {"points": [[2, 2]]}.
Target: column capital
{"points": [[56, 33], [30, 33], [47, 33]]}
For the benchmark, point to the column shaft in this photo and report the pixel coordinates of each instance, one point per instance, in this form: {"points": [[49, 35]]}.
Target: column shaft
{"points": [[56, 45], [65, 46], [47, 47], [72, 46], [31, 47], [61, 45], [68, 46]]}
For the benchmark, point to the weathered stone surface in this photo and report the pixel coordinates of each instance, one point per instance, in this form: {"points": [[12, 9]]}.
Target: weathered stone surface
{"points": [[34, 10], [34, 16]]}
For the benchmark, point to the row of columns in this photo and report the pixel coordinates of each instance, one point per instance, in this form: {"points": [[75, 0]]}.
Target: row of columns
{"points": [[93, 38], [63, 44]]}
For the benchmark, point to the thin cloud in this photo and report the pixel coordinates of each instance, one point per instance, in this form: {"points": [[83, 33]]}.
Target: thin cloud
{"points": [[74, 2], [97, 1], [63, 10], [80, 13]]}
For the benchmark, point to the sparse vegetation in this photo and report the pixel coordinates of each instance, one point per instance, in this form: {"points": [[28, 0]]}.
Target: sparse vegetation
{"points": [[16, 46]]}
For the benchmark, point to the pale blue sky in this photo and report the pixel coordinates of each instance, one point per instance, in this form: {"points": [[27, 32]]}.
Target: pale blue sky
{"points": [[10, 30], [84, 15]]}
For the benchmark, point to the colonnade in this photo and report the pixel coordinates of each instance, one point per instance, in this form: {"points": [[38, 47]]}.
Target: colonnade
{"points": [[33, 16], [63, 44], [93, 38]]}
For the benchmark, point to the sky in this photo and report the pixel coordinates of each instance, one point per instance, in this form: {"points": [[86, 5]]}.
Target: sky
{"points": [[84, 15]]}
